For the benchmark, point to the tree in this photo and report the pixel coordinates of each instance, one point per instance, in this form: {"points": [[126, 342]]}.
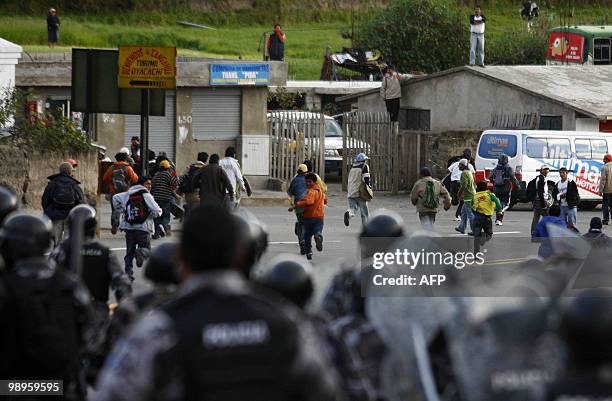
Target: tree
{"points": [[423, 35]]}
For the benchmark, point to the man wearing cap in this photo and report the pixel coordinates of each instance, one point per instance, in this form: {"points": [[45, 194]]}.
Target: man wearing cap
{"points": [[72, 162], [455, 176], [296, 191], [467, 190], [540, 202], [359, 176], [164, 184], [605, 188]]}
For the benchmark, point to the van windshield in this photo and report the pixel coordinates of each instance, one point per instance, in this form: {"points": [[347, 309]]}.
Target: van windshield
{"points": [[493, 145]]}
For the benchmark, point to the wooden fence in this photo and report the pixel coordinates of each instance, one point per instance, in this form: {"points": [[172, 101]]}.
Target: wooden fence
{"points": [[394, 156], [295, 137]]}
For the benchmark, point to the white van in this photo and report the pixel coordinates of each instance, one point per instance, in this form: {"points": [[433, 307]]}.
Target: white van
{"points": [[581, 153]]}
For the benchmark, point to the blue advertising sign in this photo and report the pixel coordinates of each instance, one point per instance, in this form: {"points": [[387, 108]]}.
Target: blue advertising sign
{"points": [[240, 74]]}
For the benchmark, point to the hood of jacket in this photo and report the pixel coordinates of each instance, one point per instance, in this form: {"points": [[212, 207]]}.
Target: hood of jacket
{"points": [[63, 177], [136, 188]]}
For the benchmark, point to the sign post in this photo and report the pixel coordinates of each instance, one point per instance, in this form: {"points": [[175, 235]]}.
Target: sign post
{"points": [[144, 68]]}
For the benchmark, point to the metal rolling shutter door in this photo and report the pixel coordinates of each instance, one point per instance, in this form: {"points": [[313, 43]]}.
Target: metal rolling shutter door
{"points": [[162, 130], [216, 113]]}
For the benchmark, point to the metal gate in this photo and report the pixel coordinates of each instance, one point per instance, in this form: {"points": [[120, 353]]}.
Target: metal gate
{"points": [[296, 136], [394, 156], [216, 113]]}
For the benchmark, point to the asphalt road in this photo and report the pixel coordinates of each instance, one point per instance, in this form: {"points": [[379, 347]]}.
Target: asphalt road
{"points": [[509, 247]]}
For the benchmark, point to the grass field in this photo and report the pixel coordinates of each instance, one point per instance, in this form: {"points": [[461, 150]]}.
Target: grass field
{"points": [[237, 36]]}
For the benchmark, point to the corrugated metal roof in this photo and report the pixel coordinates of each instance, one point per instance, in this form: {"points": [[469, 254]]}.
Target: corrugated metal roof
{"points": [[587, 89]]}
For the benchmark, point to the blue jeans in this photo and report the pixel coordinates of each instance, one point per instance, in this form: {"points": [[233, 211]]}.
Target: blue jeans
{"points": [[569, 215], [477, 47], [164, 219], [467, 215], [358, 205], [606, 206], [311, 226]]}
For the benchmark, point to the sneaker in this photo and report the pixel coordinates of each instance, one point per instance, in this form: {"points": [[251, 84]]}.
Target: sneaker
{"points": [[499, 223], [309, 256], [162, 231], [457, 218], [155, 236], [347, 217], [459, 231], [139, 257], [318, 242], [168, 230], [471, 234], [605, 222]]}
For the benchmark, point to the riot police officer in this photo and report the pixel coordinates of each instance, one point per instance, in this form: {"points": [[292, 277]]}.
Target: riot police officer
{"points": [[101, 268], [8, 202], [218, 339], [253, 241], [47, 312], [291, 277], [586, 328]]}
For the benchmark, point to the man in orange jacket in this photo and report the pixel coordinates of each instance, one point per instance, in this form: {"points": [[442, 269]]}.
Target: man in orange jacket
{"points": [[120, 177], [314, 211]]}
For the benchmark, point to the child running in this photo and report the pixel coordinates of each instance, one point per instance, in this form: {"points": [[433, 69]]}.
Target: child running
{"points": [[485, 204]]}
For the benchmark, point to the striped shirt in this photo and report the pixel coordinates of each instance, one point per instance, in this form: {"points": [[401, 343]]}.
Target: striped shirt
{"points": [[163, 186]]}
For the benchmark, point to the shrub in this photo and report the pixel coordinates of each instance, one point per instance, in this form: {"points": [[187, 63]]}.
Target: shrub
{"points": [[46, 132], [426, 35]]}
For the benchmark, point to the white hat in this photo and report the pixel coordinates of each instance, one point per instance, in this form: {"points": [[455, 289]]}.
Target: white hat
{"points": [[463, 162], [124, 150]]}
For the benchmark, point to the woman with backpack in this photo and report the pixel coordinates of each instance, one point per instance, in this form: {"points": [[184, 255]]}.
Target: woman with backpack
{"points": [[425, 195]]}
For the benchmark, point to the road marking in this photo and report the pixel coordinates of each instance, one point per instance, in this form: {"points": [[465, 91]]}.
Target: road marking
{"points": [[511, 261], [269, 243], [494, 233]]}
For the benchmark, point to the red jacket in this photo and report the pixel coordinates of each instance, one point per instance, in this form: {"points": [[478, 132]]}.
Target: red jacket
{"points": [[313, 202]]}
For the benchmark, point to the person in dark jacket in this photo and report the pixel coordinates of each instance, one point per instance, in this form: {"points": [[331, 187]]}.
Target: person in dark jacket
{"points": [[276, 44], [164, 185], [213, 182], [502, 178], [541, 200], [53, 24], [566, 193], [62, 193], [541, 233]]}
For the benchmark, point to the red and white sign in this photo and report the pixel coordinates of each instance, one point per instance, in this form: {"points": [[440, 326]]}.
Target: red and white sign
{"points": [[565, 46]]}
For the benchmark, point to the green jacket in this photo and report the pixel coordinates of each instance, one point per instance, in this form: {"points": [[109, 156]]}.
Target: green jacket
{"points": [[466, 183]]}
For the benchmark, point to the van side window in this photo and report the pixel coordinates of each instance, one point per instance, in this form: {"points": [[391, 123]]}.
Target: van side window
{"points": [[599, 148], [537, 148], [591, 149], [548, 148]]}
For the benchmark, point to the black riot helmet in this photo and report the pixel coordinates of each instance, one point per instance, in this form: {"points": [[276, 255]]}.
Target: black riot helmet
{"points": [[160, 266], [586, 327], [384, 223], [381, 230], [24, 236], [87, 215], [291, 277], [253, 238], [8, 202]]}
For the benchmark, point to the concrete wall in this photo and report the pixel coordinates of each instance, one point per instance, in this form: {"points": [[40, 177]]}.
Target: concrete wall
{"points": [[466, 101], [254, 111], [372, 102], [27, 173]]}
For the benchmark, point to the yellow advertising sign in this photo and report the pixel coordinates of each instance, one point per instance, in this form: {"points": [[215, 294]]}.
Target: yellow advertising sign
{"points": [[147, 67]]}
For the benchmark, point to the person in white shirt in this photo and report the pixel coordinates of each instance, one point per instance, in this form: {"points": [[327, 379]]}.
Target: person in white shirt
{"points": [[231, 167], [477, 39], [455, 176]]}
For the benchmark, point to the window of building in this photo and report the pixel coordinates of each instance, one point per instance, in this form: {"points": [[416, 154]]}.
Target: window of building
{"points": [[552, 123], [415, 119], [601, 51]]}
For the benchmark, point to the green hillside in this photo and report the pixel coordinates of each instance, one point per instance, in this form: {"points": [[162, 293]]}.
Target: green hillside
{"points": [[238, 33]]}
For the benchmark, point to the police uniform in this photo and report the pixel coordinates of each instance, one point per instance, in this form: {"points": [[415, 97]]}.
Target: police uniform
{"points": [[243, 347], [101, 269]]}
